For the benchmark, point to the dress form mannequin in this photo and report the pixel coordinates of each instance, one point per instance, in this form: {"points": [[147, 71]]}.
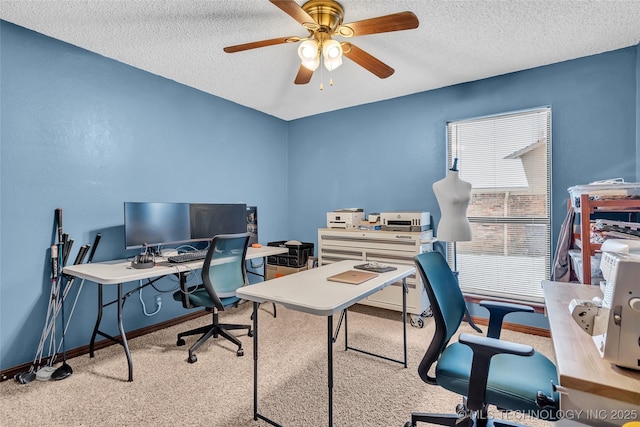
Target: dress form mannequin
{"points": [[453, 195]]}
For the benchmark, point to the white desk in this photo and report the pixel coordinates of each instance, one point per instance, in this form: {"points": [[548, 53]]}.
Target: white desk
{"points": [[120, 271], [310, 292]]}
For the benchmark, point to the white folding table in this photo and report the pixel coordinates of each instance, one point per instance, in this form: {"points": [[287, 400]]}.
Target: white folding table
{"points": [[309, 291], [120, 271]]}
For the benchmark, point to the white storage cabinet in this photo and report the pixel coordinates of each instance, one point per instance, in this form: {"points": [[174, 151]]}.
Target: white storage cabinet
{"points": [[388, 247]]}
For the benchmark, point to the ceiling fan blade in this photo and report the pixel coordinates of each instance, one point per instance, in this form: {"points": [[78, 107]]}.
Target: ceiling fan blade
{"points": [[262, 43], [381, 24], [366, 61], [293, 9], [304, 76]]}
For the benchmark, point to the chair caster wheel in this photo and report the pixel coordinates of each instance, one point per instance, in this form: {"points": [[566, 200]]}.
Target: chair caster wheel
{"points": [[250, 334], [240, 353], [417, 322], [180, 342], [462, 411], [409, 424], [192, 358]]}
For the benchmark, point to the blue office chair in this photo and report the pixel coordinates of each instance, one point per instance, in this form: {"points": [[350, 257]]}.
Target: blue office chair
{"points": [[484, 370], [223, 272]]}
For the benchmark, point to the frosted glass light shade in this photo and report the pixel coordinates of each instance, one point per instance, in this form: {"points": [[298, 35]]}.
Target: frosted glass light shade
{"points": [[308, 52], [332, 54], [311, 64]]}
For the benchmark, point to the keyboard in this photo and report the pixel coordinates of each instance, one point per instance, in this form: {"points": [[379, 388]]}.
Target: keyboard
{"points": [[188, 256]]}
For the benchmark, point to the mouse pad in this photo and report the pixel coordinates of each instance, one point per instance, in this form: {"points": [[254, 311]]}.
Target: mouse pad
{"points": [[352, 277]]}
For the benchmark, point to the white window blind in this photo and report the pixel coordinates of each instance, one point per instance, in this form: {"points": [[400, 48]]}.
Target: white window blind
{"points": [[507, 159]]}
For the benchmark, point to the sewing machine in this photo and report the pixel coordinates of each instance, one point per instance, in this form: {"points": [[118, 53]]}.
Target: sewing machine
{"points": [[616, 325]]}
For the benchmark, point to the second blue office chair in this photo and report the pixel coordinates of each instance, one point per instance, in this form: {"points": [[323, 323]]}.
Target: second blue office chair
{"points": [[223, 272], [484, 370]]}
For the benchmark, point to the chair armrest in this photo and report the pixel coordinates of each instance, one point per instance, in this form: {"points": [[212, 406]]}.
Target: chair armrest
{"points": [[497, 311], [492, 346], [484, 349]]}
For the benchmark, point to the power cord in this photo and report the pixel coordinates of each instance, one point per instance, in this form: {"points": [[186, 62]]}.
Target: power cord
{"points": [[144, 307], [185, 248]]}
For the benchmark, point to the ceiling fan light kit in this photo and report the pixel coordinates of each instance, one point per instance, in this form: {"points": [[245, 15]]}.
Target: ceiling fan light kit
{"points": [[323, 19], [332, 54], [308, 52]]}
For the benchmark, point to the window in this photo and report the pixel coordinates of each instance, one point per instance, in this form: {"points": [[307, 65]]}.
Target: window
{"points": [[507, 160]]}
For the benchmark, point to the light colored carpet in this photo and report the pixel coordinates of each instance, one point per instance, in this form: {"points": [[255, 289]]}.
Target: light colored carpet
{"points": [[217, 390]]}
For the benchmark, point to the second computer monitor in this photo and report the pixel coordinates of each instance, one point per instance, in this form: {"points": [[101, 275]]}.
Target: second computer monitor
{"points": [[210, 219]]}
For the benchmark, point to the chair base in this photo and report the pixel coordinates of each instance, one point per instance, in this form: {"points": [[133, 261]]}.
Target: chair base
{"points": [[215, 330], [457, 420]]}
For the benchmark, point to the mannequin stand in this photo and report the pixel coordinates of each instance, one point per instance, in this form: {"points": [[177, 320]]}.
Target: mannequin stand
{"points": [[456, 273]]}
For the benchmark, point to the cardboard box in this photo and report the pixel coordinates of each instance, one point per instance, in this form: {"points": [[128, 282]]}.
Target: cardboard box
{"points": [[274, 271]]}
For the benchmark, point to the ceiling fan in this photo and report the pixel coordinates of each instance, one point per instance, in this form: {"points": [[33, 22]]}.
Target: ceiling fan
{"points": [[323, 20]]}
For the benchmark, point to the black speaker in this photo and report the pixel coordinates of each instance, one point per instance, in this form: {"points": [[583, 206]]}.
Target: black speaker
{"points": [[252, 224]]}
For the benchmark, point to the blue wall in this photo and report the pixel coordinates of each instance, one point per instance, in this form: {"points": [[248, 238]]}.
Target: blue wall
{"points": [[638, 113], [85, 133], [385, 156]]}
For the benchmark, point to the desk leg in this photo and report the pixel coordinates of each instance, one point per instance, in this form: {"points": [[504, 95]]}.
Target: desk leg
{"points": [[405, 291], [256, 415], [123, 335], [330, 366], [264, 277], [98, 320], [346, 330], [255, 361]]}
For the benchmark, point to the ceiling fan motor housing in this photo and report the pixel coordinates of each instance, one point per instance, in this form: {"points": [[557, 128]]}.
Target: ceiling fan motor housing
{"points": [[328, 15]]}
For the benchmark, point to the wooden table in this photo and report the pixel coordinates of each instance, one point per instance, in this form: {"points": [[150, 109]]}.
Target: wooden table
{"points": [[607, 395]]}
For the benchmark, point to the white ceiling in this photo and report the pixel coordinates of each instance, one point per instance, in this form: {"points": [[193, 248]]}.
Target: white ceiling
{"points": [[456, 42]]}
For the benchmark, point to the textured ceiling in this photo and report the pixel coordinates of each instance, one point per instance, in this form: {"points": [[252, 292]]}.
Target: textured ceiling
{"points": [[456, 42]]}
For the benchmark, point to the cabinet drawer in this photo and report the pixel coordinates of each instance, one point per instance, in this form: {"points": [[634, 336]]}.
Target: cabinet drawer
{"points": [[400, 245], [387, 247]]}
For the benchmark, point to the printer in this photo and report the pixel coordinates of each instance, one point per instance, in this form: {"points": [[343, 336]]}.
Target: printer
{"points": [[405, 221], [616, 328], [345, 218]]}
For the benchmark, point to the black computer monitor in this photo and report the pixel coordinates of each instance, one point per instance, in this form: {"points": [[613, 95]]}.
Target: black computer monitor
{"points": [[149, 224], [210, 219]]}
